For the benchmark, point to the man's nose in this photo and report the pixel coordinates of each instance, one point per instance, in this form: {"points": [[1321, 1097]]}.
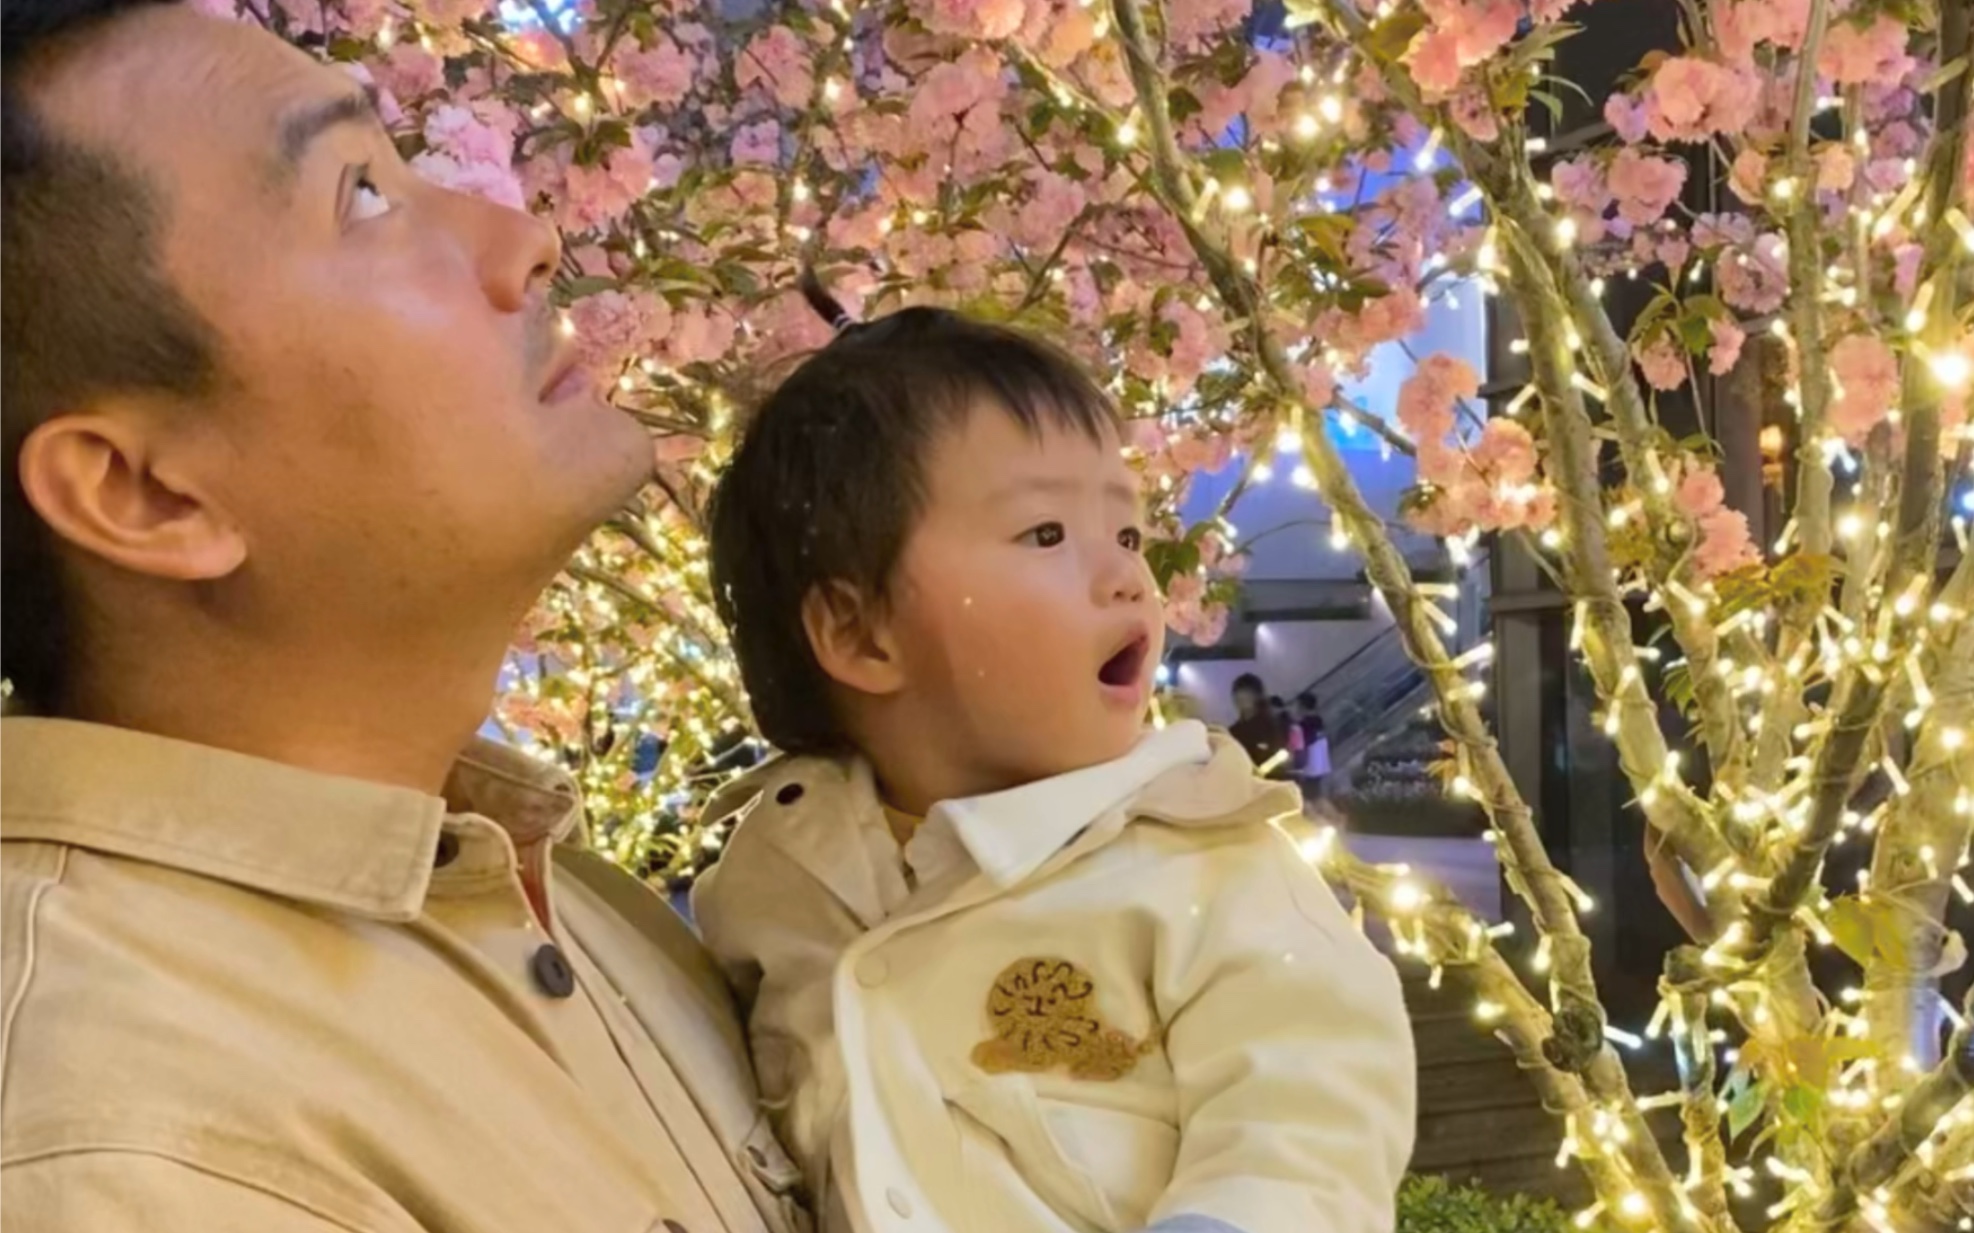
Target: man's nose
{"points": [[514, 253]]}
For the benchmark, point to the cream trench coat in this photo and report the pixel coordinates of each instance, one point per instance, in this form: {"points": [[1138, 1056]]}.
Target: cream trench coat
{"points": [[1105, 1001]]}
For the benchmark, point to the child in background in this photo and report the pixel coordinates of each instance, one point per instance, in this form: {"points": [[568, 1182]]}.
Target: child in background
{"points": [[1012, 963]]}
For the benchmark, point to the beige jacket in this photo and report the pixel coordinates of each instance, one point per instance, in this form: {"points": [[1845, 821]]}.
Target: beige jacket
{"points": [[1114, 999], [244, 998]]}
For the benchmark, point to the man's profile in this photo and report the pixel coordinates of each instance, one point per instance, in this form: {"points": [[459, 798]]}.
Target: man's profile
{"points": [[290, 448]]}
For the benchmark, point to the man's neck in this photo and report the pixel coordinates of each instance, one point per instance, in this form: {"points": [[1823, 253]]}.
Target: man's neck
{"points": [[400, 719]]}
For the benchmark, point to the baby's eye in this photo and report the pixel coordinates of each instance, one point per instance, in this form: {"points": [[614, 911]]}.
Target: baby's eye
{"points": [[1048, 535], [1132, 539]]}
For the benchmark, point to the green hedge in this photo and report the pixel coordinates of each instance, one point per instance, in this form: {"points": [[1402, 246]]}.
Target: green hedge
{"points": [[1435, 1205]]}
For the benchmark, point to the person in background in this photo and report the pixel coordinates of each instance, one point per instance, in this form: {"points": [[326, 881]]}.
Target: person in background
{"points": [[1315, 766], [1258, 728]]}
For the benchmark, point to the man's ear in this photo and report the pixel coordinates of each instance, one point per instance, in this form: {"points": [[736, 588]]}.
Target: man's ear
{"points": [[851, 640], [111, 486]]}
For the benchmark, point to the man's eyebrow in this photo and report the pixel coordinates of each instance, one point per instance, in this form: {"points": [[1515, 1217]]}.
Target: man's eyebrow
{"points": [[300, 128]]}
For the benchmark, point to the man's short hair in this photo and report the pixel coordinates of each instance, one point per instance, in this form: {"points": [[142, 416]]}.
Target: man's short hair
{"points": [[829, 480], [85, 311]]}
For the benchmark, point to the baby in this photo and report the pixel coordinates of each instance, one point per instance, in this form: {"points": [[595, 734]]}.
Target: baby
{"points": [[1011, 962]]}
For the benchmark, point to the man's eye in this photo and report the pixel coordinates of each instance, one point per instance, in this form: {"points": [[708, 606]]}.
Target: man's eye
{"points": [[1132, 539], [367, 201], [1048, 535]]}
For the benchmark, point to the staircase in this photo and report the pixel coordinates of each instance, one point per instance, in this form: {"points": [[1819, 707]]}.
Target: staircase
{"points": [[1377, 708], [1480, 1119]]}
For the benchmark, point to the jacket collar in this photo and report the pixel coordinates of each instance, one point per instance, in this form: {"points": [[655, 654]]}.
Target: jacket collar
{"points": [[818, 811], [1010, 834], [340, 843]]}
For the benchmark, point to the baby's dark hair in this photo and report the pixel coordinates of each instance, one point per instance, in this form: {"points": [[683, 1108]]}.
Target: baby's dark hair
{"points": [[829, 479]]}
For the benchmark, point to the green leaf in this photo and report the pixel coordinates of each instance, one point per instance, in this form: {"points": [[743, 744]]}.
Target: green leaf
{"points": [[1745, 1108], [1851, 924], [1695, 333], [588, 285], [1388, 39], [1554, 104]]}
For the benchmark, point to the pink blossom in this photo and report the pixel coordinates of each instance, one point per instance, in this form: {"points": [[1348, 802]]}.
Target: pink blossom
{"points": [[862, 228], [972, 19], [1690, 99], [1867, 376], [1074, 31], [663, 73], [1715, 230], [1673, 251], [1749, 176], [1852, 53], [1627, 118], [1740, 24], [1836, 170], [759, 142], [1726, 349], [482, 133], [699, 334], [492, 181], [1905, 267], [1699, 493], [1757, 279], [596, 196], [453, 13], [1661, 360], [1319, 384], [778, 59], [612, 327], [410, 72], [1580, 185], [1053, 204], [1644, 186], [1725, 544], [1506, 451], [538, 49], [1433, 59], [1196, 22], [1272, 73], [1479, 27], [1426, 399]]}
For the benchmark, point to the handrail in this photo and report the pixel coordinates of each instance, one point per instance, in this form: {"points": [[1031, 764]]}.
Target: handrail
{"points": [[1378, 680]]}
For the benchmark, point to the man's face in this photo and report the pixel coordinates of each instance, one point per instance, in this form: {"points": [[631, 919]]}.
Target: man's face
{"points": [[1027, 617], [397, 430]]}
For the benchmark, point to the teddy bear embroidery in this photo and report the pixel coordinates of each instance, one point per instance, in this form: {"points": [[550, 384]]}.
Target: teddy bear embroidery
{"points": [[1042, 1017]]}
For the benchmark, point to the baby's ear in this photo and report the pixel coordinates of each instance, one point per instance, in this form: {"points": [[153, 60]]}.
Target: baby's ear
{"points": [[850, 639]]}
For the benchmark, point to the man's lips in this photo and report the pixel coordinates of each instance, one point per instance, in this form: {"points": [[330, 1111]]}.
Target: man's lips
{"points": [[566, 378]]}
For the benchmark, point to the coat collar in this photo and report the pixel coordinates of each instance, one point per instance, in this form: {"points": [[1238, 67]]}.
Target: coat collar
{"points": [[1010, 834], [820, 812], [340, 843]]}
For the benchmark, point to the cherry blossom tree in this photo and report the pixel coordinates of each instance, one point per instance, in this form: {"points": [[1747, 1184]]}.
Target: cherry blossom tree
{"points": [[1226, 224]]}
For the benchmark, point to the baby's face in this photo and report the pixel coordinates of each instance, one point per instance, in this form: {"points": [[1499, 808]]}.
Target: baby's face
{"points": [[1025, 614]]}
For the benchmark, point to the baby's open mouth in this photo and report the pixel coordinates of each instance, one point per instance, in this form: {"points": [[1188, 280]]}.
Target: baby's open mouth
{"points": [[1127, 667]]}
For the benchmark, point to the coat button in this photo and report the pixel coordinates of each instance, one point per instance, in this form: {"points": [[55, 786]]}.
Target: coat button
{"points": [[789, 794], [552, 972], [448, 850], [899, 1202], [872, 971]]}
